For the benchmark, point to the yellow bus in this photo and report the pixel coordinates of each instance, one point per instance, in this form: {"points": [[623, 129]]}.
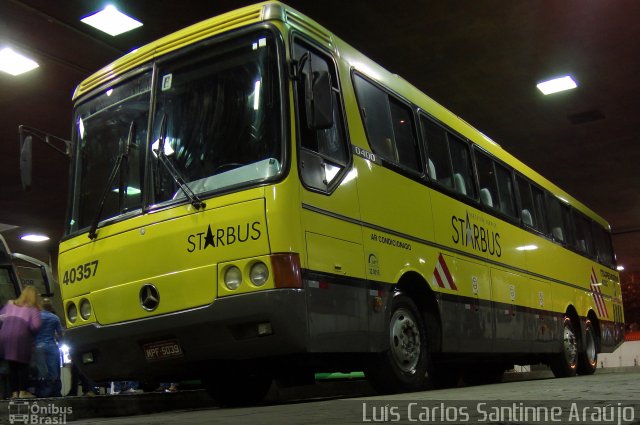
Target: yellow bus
{"points": [[251, 198]]}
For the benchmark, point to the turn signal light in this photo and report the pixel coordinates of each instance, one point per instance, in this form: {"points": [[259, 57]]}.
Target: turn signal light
{"points": [[286, 270]]}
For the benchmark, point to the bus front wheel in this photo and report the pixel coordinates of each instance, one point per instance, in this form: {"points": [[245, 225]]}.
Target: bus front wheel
{"points": [[565, 363], [588, 359], [404, 365]]}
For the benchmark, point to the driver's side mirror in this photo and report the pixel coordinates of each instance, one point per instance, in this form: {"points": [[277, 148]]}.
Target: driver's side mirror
{"points": [[25, 161], [318, 96]]}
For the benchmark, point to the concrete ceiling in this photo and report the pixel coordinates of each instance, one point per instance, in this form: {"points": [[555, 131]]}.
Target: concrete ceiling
{"points": [[481, 59]]}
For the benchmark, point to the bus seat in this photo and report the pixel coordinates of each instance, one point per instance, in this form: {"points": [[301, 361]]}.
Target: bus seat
{"points": [[485, 197], [431, 170], [527, 218], [558, 234], [458, 184], [390, 151], [582, 245]]}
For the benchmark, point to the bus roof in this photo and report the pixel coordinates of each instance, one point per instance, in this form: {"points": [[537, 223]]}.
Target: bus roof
{"points": [[274, 10]]}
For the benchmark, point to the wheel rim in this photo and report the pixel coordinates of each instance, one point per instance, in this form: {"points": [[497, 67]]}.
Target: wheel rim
{"points": [[590, 348], [405, 340], [570, 345]]}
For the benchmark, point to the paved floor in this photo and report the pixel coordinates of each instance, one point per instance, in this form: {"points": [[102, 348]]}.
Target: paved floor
{"points": [[608, 398]]}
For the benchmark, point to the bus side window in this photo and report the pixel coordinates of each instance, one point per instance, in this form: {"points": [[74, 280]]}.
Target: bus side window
{"points": [[486, 180], [389, 125], [406, 141], [584, 239], [463, 177], [528, 211], [538, 200], [570, 234], [439, 163], [505, 190], [555, 219], [603, 245]]}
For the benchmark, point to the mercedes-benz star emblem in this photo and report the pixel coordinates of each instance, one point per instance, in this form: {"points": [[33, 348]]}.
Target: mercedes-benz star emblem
{"points": [[149, 297]]}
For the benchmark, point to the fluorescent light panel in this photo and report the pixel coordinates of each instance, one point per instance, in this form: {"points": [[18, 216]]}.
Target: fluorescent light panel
{"points": [[14, 63], [557, 85], [130, 191], [34, 238], [111, 21]]}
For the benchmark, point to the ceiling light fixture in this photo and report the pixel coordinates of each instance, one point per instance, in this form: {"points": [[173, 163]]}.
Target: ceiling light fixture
{"points": [[111, 21], [557, 85], [14, 63], [34, 238]]}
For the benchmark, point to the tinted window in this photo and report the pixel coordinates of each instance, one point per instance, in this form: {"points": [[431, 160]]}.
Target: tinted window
{"points": [[505, 190], [568, 225], [406, 143], [528, 212], [556, 223], [389, 125], [584, 241], [103, 125], [217, 113], [602, 241], [538, 201], [463, 176], [439, 163], [487, 180]]}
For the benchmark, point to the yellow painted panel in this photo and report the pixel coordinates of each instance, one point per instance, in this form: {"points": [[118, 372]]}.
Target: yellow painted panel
{"points": [[510, 288], [336, 256], [163, 251], [390, 200], [178, 291], [473, 279]]}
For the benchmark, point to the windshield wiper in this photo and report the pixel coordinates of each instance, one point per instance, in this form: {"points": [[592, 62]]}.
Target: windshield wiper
{"points": [[122, 156], [175, 174]]}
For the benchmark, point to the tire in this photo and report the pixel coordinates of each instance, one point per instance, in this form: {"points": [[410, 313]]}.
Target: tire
{"points": [[404, 365], [565, 363], [588, 359], [241, 388]]}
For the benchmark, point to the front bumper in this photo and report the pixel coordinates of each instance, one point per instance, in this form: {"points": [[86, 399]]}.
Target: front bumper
{"points": [[224, 331]]}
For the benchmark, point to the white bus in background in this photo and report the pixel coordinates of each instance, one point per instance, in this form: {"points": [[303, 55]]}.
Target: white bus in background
{"points": [[13, 278]]}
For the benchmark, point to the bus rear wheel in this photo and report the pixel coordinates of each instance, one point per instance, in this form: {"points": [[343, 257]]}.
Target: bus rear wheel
{"points": [[565, 363], [588, 359], [404, 365]]}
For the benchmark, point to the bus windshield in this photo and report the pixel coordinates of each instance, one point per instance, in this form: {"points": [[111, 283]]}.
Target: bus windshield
{"points": [[217, 117]]}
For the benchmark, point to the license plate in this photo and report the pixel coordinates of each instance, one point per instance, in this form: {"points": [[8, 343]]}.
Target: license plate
{"points": [[162, 350]]}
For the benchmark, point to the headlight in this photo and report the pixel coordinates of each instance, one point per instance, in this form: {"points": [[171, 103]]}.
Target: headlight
{"points": [[85, 309], [259, 273], [232, 278], [72, 312]]}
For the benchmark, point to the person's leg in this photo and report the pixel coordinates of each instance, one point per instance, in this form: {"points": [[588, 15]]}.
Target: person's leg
{"points": [[52, 359], [23, 380], [39, 360], [13, 378]]}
